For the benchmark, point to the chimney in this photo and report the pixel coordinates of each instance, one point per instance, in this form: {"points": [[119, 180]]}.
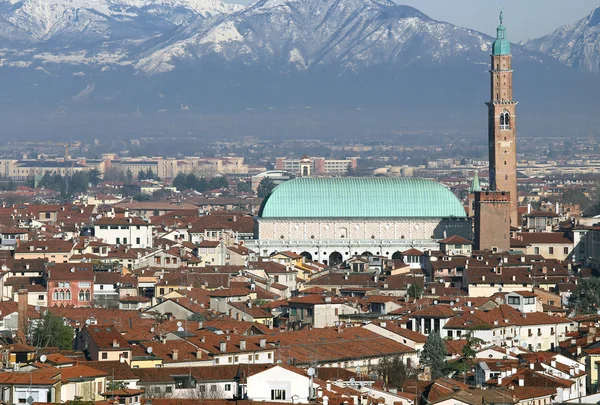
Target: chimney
{"points": [[325, 400], [115, 343], [175, 354], [223, 346], [22, 315], [499, 380], [521, 381], [242, 345], [328, 385], [198, 354], [531, 365], [590, 337], [263, 343], [553, 363]]}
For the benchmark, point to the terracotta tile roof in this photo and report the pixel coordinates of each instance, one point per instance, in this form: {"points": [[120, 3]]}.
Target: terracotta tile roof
{"points": [[254, 311], [435, 311], [47, 246], [121, 371], [74, 373], [330, 345], [544, 237], [105, 336], [456, 240], [209, 244], [45, 377]]}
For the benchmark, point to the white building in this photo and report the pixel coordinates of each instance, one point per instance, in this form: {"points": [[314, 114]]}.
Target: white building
{"points": [[132, 231], [333, 219]]}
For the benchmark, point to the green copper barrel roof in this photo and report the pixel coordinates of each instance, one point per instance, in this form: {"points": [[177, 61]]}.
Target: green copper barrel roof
{"points": [[501, 45], [354, 197]]}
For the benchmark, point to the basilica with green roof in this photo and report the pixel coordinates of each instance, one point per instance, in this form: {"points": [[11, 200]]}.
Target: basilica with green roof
{"points": [[332, 219]]}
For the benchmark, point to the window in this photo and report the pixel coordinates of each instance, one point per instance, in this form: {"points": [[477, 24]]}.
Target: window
{"points": [[157, 260], [213, 388], [137, 240], [48, 216], [118, 241], [125, 355], [124, 241], [104, 355], [227, 387], [514, 300], [22, 401], [505, 120], [101, 287], [41, 298], [566, 250], [84, 284], [551, 250], [536, 250], [103, 226], [293, 311], [278, 395], [168, 389]]}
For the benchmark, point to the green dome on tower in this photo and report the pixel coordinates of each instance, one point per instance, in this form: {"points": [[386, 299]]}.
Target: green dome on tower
{"points": [[501, 45]]}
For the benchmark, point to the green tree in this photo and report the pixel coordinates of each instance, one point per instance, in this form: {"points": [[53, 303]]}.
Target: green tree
{"points": [[51, 331], [469, 351], [434, 355], [394, 372], [573, 195], [244, 186], [79, 182], [415, 291], [195, 183], [196, 317], [265, 186], [95, 177], [218, 183], [129, 176], [180, 182], [142, 175], [586, 297], [150, 175]]}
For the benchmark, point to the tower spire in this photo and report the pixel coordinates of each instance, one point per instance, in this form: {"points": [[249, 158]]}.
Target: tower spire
{"points": [[475, 186]]}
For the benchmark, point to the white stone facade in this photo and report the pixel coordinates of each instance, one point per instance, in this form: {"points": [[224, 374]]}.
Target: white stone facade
{"points": [[320, 237]]}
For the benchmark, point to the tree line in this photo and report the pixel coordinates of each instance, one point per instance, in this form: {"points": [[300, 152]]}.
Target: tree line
{"points": [[200, 184]]}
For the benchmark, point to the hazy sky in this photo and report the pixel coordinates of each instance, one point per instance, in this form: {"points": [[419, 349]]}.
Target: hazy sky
{"points": [[523, 18]]}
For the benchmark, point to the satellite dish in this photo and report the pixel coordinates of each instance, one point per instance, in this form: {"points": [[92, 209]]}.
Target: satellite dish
{"points": [[149, 350], [458, 300], [43, 358], [500, 289], [435, 302], [452, 303], [524, 344], [180, 329], [88, 322], [152, 329], [310, 371], [352, 380], [179, 323], [358, 370], [279, 361]]}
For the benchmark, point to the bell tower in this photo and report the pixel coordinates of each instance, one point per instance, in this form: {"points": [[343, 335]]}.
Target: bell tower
{"points": [[502, 123]]}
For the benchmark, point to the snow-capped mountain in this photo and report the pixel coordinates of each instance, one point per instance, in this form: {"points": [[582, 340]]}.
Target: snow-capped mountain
{"points": [[304, 34], [577, 45], [77, 22], [204, 55]]}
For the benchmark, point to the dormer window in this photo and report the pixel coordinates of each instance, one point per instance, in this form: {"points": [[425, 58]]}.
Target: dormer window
{"points": [[505, 120]]}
